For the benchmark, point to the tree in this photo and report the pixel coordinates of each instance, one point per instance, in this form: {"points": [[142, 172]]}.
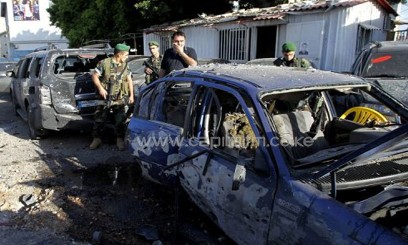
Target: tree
{"points": [[84, 20]]}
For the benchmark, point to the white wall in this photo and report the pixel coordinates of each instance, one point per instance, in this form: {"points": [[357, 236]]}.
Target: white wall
{"points": [[331, 35], [203, 39], [342, 27], [402, 10], [32, 29], [311, 33]]}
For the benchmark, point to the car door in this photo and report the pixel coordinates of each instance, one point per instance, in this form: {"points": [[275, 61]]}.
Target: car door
{"points": [[230, 178], [156, 128], [14, 82], [20, 82]]}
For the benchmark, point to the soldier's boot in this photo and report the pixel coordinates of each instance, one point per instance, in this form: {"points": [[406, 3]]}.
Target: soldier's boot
{"points": [[96, 142], [120, 143]]}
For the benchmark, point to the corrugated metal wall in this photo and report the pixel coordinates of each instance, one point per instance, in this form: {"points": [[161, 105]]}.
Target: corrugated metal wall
{"points": [[203, 39], [339, 35], [163, 38], [342, 34]]}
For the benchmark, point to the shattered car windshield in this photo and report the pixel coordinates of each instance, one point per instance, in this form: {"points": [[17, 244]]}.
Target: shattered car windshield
{"points": [[76, 63], [316, 127], [390, 64]]}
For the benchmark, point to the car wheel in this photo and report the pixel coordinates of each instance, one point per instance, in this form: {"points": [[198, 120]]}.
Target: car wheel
{"points": [[33, 132]]}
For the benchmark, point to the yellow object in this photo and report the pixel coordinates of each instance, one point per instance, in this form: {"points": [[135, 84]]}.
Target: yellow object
{"points": [[362, 115]]}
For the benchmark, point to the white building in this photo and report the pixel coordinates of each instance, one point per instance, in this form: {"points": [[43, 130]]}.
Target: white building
{"points": [[334, 31], [401, 21], [25, 26]]}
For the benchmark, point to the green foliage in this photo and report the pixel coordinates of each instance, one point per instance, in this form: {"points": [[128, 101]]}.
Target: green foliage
{"points": [[83, 20], [153, 10]]}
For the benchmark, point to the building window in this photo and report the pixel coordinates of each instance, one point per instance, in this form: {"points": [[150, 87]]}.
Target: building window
{"points": [[165, 43], [401, 35], [234, 44], [387, 23], [364, 36]]}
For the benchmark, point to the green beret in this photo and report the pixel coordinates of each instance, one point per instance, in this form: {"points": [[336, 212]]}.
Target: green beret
{"points": [[154, 43], [122, 47], [288, 47]]}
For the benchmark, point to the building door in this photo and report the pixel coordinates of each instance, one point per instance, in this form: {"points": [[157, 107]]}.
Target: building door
{"points": [[266, 42]]}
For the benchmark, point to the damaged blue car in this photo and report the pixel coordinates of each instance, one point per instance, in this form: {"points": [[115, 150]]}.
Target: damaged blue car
{"points": [[277, 155]]}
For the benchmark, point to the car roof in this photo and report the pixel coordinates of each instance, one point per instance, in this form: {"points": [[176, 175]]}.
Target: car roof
{"points": [[262, 61], [137, 57], [271, 77], [205, 61], [389, 45], [71, 50]]}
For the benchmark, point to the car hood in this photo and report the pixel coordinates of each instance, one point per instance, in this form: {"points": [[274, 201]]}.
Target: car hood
{"points": [[397, 87], [377, 146]]}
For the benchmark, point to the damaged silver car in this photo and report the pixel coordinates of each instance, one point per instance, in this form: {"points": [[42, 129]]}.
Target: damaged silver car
{"points": [[277, 155], [53, 89]]}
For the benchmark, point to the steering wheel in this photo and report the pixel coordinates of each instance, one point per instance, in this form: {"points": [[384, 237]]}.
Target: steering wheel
{"points": [[362, 115]]}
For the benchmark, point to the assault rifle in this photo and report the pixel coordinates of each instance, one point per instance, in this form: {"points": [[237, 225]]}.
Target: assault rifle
{"points": [[109, 100], [155, 74], [109, 97]]}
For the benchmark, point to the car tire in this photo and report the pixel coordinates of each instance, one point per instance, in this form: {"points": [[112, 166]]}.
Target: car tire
{"points": [[33, 132], [14, 103]]}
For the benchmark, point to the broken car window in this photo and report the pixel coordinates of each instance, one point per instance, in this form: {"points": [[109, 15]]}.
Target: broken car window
{"points": [[309, 131], [220, 122], [172, 105]]}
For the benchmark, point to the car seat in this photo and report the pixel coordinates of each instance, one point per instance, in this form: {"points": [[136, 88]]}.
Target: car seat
{"points": [[293, 128]]}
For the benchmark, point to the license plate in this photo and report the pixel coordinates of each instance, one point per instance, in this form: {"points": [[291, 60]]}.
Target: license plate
{"points": [[87, 103]]}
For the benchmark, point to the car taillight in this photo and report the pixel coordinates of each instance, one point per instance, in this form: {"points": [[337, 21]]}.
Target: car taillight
{"points": [[45, 95]]}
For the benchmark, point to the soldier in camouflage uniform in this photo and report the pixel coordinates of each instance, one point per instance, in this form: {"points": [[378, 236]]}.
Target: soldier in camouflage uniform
{"points": [[289, 59], [153, 62], [112, 79]]}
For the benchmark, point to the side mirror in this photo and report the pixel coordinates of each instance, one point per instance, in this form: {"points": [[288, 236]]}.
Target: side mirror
{"points": [[239, 173], [10, 73]]}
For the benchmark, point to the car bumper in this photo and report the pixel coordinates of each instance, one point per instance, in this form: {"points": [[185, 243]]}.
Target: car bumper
{"points": [[47, 118]]}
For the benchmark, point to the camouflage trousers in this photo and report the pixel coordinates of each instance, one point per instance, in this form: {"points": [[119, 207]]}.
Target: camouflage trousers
{"points": [[116, 113]]}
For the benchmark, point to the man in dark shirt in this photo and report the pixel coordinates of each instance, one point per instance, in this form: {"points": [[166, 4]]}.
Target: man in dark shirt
{"points": [[179, 56], [289, 58]]}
